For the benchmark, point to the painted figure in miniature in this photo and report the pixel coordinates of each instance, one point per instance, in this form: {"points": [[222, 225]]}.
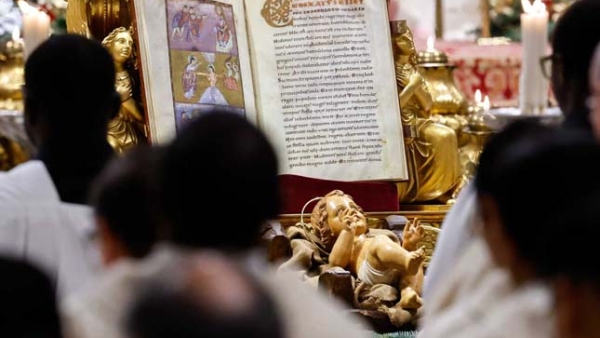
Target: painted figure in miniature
{"points": [[223, 32], [127, 129], [179, 22], [190, 79], [342, 228], [432, 149], [231, 75], [212, 94]]}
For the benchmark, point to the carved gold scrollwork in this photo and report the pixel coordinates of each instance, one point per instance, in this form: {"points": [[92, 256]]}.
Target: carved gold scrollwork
{"points": [[277, 13]]}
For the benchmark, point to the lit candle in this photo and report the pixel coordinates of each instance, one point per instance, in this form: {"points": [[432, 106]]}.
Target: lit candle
{"points": [[486, 104], [36, 27], [431, 44], [478, 98], [533, 87], [15, 45]]}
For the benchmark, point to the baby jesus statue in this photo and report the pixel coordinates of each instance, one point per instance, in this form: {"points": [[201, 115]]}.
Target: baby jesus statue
{"points": [[374, 259], [342, 227]]}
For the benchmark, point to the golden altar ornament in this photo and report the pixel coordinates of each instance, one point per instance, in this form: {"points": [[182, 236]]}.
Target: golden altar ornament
{"points": [[97, 18], [431, 148], [438, 72], [478, 131], [12, 75]]}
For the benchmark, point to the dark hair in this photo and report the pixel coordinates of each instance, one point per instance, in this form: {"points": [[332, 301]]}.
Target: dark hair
{"points": [[124, 195], [29, 306], [544, 184], [165, 312], [574, 40], [70, 85], [219, 182]]}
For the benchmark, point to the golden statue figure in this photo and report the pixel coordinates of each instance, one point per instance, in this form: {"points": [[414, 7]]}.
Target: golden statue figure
{"points": [[431, 148], [127, 129]]}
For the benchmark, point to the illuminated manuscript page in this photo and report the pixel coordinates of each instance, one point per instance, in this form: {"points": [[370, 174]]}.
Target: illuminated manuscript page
{"points": [[325, 87]]}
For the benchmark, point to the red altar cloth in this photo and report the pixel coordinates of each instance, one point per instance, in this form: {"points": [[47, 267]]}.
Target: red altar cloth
{"points": [[494, 70], [371, 196]]}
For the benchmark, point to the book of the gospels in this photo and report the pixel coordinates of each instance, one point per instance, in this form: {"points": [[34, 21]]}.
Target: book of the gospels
{"points": [[317, 76]]}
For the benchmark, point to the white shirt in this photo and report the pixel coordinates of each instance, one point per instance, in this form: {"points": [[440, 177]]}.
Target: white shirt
{"points": [[37, 227], [456, 233], [480, 301], [99, 311]]}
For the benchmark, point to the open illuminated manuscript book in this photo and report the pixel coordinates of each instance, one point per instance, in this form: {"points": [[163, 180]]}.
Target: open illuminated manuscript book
{"points": [[316, 76]]}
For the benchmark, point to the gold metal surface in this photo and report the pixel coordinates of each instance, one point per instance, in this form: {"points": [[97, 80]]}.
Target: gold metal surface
{"points": [[438, 72], [11, 76], [97, 18], [431, 148]]}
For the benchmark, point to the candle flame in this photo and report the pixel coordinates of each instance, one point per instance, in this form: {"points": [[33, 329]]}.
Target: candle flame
{"points": [[430, 43], [478, 96], [538, 7], [25, 7], [16, 34], [486, 103]]}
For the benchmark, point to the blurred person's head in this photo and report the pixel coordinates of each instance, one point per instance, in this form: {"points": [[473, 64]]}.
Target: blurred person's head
{"points": [[573, 269], [573, 42], [123, 199], [215, 299], [529, 177], [594, 98], [29, 308], [69, 92], [218, 183]]}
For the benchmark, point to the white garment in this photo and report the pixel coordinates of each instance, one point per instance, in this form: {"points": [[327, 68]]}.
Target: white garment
{"points": [[37, 227], [372, 276], [99, 310], [480, 301], [452, 241]]}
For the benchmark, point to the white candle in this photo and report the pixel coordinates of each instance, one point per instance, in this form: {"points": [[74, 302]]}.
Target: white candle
{"points": [[533, 87], [478, 97], [486, 104], [430, 43], [36, 27]]}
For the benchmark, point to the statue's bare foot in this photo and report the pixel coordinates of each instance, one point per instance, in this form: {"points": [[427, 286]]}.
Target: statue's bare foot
{"points": [[410, 300], [415, 259]]}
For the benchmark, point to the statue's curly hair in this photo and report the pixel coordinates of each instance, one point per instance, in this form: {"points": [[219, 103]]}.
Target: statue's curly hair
{"points": [[318, 219], [108, 41]]}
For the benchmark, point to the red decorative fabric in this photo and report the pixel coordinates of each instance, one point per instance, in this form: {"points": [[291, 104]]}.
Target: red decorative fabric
{"points": [[492, 69], [371, 196]]}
